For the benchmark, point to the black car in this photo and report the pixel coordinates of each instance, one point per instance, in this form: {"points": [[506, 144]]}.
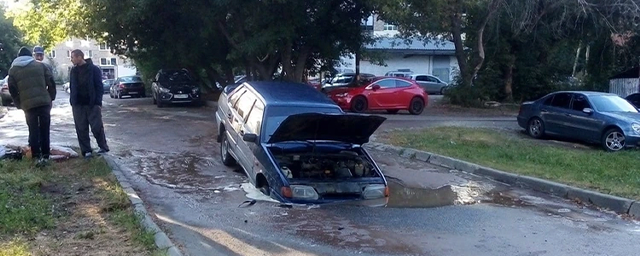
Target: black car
{"points": [[634, 99], [127, 86], [298, 146], [175, 86]]}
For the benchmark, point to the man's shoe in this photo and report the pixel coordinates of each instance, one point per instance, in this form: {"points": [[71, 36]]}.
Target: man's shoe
{"points": [[42, 162], [103, 151], [88, 155]]}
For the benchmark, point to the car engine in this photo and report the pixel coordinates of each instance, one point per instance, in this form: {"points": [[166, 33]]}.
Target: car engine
{"points": [[342, 165]]}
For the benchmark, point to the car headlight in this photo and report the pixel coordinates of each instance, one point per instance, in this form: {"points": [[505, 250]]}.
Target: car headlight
{"points": [[636, 128], [304, 192], [165, 90], [342, 95], [195, 90], [375, 191]]}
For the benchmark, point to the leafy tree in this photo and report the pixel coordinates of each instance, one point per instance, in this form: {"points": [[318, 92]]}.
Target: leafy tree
{"points": [[10, 40]]}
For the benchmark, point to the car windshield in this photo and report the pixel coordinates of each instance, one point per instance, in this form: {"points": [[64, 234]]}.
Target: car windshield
{"points": [[176, 76], [130, 79], [609, 103], [277, 114], [342, 79]]}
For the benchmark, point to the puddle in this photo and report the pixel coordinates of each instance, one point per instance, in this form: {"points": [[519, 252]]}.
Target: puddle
{"points": [[402, 196], [183, 171]]}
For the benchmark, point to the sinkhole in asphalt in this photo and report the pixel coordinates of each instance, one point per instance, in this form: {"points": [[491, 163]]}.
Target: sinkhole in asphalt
{"points": [[402, 196]]}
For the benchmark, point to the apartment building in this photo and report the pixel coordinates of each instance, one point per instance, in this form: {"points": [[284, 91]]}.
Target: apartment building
{"points": [[112, 65]]}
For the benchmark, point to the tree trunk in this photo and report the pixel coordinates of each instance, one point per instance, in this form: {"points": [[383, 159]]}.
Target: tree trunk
{"points": [[301, 63], [287, 67], [575, 61], [508, 78], [461, 56], [586, 58]]}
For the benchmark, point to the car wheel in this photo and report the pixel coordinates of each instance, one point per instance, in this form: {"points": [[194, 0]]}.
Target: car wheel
{"points": [[264, 185], [159, 103], [416, 106], [225, 156], [359, 104], [119, 95], [613, 140], [392, 111], [143, 95], [444, 88], [535, 128]]}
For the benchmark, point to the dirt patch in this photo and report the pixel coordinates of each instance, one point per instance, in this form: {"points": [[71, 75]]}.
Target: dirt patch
{"points": [[88, 215]]}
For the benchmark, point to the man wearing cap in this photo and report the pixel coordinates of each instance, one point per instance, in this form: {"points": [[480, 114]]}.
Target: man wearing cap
{"points": [[29, 84], [38, 54]]}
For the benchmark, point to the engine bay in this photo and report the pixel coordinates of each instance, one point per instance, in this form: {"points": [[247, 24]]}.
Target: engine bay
{"points": [[345, 164]]}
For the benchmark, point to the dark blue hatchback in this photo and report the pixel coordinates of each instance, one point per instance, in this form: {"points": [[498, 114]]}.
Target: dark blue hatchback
{"points": [[297, 146], [593, 117]]}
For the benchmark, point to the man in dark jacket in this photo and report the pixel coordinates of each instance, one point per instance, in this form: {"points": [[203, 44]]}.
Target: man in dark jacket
{"points": [[85, 84], [31, 89]]}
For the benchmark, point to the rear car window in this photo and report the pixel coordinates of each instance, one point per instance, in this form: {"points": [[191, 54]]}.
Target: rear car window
{"points": [[561, 100]]}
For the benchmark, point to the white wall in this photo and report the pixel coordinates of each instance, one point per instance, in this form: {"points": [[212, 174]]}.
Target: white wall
{"points": [[623, 86]]}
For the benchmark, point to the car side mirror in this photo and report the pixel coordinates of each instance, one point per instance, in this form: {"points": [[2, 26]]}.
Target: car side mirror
{"points": [[375, 87], [588, 111], [250, 137]]}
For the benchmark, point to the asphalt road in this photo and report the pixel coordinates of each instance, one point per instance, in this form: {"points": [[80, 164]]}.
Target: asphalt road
{"points": [[171, 157]]}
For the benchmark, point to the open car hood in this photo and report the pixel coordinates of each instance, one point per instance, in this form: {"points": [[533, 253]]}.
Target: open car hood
{"points": [[349, 128]]}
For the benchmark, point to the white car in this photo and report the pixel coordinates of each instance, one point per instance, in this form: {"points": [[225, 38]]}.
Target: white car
{"points": [[430, 83]]}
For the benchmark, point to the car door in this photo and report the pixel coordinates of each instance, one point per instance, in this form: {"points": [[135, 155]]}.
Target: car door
{"points": [[584, 126], [556, 112], [383, 97], [253, 125], [422, 81], [242, 109], [433, 84], [403, 95]]}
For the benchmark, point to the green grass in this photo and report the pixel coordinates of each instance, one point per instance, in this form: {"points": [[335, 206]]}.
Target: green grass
{"points": [[611, 173], [26, 206], [23, 208]]}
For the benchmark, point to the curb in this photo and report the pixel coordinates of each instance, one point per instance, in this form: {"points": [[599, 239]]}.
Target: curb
{"points": [[617, 204], [161, 239]]}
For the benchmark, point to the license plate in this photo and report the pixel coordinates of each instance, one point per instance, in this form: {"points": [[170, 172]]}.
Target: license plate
{"points": [[181, 96], [133, 92]]}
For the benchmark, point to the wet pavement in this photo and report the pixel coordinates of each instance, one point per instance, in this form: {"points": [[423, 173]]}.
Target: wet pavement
{"points": [[171, 158]]}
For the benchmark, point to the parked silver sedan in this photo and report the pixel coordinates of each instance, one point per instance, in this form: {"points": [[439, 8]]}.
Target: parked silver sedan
{"points": [[430, 84]]}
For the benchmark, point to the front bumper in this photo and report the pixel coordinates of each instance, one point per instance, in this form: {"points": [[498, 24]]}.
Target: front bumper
{"points": [[632, 140], [380, 202], [132, 91], [167, 97], [343, 102]]}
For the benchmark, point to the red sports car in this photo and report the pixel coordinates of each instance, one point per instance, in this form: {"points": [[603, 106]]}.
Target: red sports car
{"points": [[383, 93]]}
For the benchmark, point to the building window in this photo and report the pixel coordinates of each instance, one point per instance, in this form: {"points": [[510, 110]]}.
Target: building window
{"points": [[90, 54], [103, 61], [114, 61], [108, 62], [103, 47], [52, 54], [69, 54], [390, 27]]}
